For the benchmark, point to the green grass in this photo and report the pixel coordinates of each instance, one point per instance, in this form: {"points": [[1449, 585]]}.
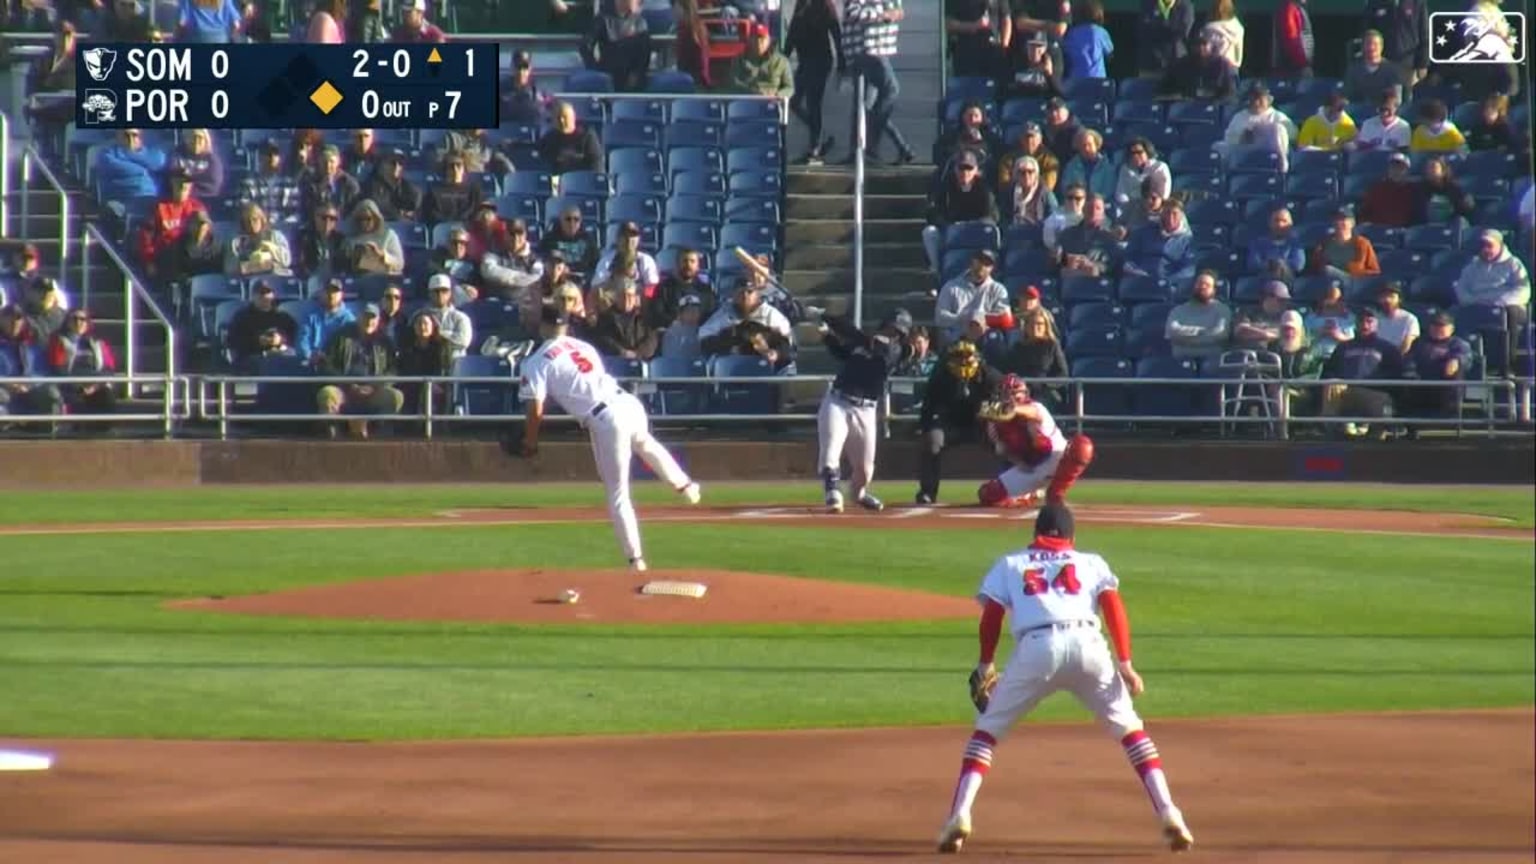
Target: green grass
{"points": [[1225, 622], [1515, 503]]}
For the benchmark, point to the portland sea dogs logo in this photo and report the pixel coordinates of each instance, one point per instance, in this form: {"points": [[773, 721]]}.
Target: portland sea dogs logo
{"points": [[99, 62]]}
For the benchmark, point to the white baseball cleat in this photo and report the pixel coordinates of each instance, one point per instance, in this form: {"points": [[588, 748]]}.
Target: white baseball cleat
{"points": [[637, 565], [834, 501], [1176, 832], [690, 493], [956, 831]]}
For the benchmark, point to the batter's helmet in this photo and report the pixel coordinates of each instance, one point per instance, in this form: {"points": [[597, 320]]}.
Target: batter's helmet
{"points": [[1055, 520]]}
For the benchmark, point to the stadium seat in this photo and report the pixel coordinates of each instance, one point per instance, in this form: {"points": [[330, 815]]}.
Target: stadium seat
{"points": [[635, 208], [650, 234], [753, 133], [681, 159], [1102, 316], [756, 238], [1137, 88], [1224, 261], [591, 207], [1097, 89], [1141, 290], [1095, 342], [632, 133], [627, 370], [762, 184], [1308, 290], [369, 287], [537, 183], [1249, 160], [743, 398], [754, 159], [1165, 400], [753, 109], [1485, 187], [1148, 341], [963, 88], [634, 160], [1200, 136], [1308, 187], [1152, 314], [670, 81], [972, 235], [218, 327], [1383, 237], [585, 184], [1249, 290], [1213, 212], [695, 133], [699, 110], [1091, 112], [1136, 111], [691, 235], [1368, 163], [480, 399], [643, 110], [1032, 263], [1184, 159], [1181, 114], [1491, 163], [1247, 188], [1017, 111], [1432, 290], [1404, 263], [953, 263], [1086, 289], [632, 183], [588, 81], [1104, 400], [1490, 323], [699, 183], [1197, 185], [752, 209], [694, 208]]}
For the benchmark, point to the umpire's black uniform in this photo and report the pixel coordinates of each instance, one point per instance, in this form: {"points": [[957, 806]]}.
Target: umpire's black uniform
{"points": [[948, 417]]}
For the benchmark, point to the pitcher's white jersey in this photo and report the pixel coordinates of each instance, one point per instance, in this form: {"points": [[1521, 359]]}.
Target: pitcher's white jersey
{"points": [[571, 372], [1040, 587]]}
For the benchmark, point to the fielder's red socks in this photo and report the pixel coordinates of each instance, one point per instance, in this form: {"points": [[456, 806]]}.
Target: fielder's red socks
{"points": [[973, 770], [1149, 766]]}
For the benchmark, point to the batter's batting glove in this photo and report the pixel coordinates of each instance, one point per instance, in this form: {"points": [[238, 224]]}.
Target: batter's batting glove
{"points": [[983, 681]]}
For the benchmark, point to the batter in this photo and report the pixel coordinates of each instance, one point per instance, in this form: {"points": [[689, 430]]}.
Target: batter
{"points": [[1053, 595], [847, 422], [571, 372]]}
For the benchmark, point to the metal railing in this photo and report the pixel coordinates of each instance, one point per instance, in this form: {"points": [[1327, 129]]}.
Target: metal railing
{"points": [[5, 175], [133, 293], [860, 142], [32, 160], [780, 102], [174, 394]]}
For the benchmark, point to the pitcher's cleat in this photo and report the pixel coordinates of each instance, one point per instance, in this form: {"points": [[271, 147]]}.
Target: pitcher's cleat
{"points": [[637, 565], [956, 831], [690, 493], [1176, 832]]}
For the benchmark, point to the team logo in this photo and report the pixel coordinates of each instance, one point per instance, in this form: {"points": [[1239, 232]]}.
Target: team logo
{"points": [[100, 106], [99, 62], [1494, 36]]}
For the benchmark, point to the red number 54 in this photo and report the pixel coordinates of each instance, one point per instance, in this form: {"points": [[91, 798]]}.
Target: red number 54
{"points": [[1065, 581]]}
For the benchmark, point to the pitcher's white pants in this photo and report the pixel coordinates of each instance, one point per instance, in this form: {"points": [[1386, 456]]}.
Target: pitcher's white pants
{"points": [[1072, 657], [618, 433], [842, 426], [1022, 481]]}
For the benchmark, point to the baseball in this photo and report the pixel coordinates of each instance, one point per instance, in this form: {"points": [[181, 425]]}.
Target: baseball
{"points": [[570, 595]]}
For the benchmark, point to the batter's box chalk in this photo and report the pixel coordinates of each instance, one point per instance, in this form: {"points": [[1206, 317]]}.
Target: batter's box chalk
{"points": [[664, 588]]}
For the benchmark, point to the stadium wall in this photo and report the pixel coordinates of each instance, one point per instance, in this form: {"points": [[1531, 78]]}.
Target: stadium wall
{"points": [[86, 464]]}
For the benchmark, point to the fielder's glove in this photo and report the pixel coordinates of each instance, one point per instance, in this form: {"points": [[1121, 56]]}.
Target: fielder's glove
{"points": [[983, 681], [997, 411]]}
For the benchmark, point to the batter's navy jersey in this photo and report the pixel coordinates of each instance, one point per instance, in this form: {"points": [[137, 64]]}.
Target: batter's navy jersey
{"points": [[867, 361]]}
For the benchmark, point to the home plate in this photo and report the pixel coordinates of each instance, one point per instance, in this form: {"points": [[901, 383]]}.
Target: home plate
{"points": [[21, 760]]}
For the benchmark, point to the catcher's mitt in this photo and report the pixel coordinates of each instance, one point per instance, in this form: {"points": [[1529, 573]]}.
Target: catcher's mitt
{"points": [[997, 410], [983, 681]]}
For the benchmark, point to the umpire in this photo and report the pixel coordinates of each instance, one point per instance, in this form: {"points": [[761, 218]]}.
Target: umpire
{"points": [[956, 391]]}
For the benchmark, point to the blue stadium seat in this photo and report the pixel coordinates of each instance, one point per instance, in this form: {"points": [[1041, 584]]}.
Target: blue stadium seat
{"points": [[701, 110], [754, 159], [1194, 185], [691, 235], [670, 81], [635, 208], [1100, 316], [695, 133], [588, 81], [953, 263], [632, 183], [1250, 160], [1162, 136], [1383, 237], [627, 370], [972, 235], [1030, 262], [743, 398], [1097, 89], [1137, 88], [975, 88], [591, 208], [752, 209], [1093, 113], [585, 184], [1432, 290], [1155, 314], [1416, 161], [632, 133], [218, 327], [1368, 163], [539, 183], [490, 315], [1016, 111], [482, 399], [1404, 263], [1249, 290], [694, 208], [1308, 187], [1490, 323], [1022, 236], [1165, 400], [1200, 136], [1086, 289], [1182, 114], [1227, 262], [763, 184], [1308, 290], [1095, 342], [650, 234], [753, 133], [1104, 399], [1213, 212], [413, 235], [643, 110], [1491, 163], [1485, 187], [753, 109], [634, 160], [525, 207], [756, 238], [1136, 111], [1432, 238], [1147, 341], [1188, 159], [710, 183], [1139, 290], [1329, 162], [681, 159], [1244, 188]]}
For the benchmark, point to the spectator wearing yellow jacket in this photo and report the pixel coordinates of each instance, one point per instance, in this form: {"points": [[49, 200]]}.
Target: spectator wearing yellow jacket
{"points": [[1331, 128], [1435, 133]]}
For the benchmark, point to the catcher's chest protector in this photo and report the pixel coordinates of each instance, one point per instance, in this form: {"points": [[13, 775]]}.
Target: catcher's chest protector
{"points": [[1021, 439]]}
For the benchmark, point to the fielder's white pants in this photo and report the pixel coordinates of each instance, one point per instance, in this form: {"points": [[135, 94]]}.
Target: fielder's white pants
{"points": [[1064, 657], [1022, 481], [619, 433], [843, 427]]}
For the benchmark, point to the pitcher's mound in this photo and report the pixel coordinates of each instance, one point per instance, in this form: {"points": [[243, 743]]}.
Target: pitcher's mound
{"points": [[606, 596]]}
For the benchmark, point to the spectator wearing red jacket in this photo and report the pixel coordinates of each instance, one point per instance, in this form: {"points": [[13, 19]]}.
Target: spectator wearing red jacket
{"points": [[1393, 200], [168, 221], [1293, 42], [414, 26], [75, 350]]}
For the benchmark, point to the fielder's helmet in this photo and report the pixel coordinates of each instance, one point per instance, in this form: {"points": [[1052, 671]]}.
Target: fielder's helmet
{"points": [[1013, 387]]}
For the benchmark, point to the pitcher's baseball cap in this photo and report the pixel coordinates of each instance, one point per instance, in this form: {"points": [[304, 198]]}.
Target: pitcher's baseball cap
{"points": [[1055, 520]]}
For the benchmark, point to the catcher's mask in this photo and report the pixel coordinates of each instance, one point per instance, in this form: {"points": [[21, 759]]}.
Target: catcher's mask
{"points": [[1013, 389], [962, 361]]}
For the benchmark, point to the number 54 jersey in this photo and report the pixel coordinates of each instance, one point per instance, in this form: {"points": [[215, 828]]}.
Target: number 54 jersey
{"points": [[1040, 587]]}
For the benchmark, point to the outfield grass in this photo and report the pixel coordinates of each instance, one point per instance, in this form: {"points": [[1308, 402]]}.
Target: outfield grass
{"points": [[1515, 503], [1225, 622]]}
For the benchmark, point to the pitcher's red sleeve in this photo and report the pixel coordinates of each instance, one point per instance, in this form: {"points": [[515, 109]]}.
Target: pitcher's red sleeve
{"points": [[1116, 622], [990, 628]]}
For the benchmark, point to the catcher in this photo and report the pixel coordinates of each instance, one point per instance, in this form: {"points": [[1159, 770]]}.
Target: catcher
{"points": [[1023, 432], [957, 389]]}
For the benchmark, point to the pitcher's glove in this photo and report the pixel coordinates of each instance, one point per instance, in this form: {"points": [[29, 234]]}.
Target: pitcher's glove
{"points": [[984, 680], [997, 411]]}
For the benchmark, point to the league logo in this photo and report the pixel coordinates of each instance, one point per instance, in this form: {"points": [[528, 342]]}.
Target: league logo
{"points": [[100, 106], [1477, 37], [99, 62]]}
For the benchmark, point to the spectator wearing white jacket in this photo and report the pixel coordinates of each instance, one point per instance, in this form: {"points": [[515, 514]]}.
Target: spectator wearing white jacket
{"points": [[970, 294], [1386, 130], [456, 328], [1139, 165], [1494, 277], [1259, 126], [1068, 214]]}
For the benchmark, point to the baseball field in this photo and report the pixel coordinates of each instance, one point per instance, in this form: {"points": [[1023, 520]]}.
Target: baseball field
{"points": [[380, 673]]}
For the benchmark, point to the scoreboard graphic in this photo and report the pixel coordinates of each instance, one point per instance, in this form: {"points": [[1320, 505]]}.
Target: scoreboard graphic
{"points": [[288, 86]]}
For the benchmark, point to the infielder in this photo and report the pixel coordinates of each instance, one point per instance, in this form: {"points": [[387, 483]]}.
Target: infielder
{"points": [[847, 421], [571, 372], [1023, 432], [1053, 595]]}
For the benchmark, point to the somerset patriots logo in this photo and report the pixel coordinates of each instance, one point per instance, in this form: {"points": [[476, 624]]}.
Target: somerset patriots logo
{"points": [[1491, 36]]}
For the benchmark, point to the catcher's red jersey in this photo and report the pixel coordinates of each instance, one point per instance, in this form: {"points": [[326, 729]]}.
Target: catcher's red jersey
{"points": [[1029, 442]]}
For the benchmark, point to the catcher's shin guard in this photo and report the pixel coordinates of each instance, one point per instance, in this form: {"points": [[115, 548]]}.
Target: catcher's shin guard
{"points": [[1076, 459], [992, 494]]}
